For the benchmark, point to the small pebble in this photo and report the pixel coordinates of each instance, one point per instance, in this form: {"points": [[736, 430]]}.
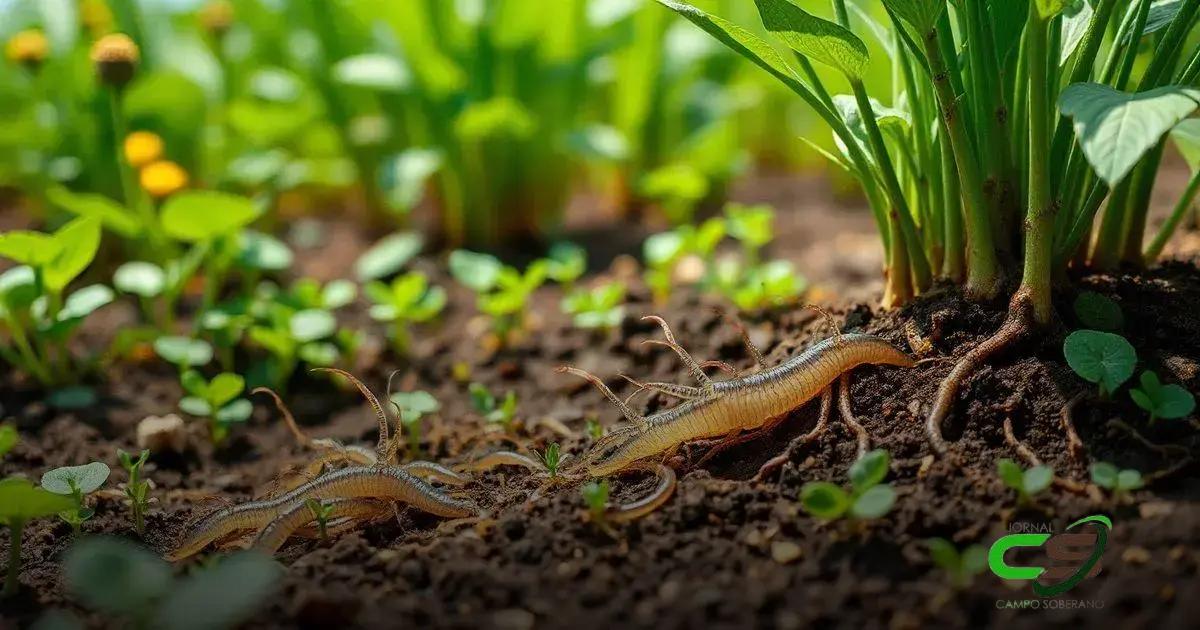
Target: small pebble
{"points": [[1135, 555], [785, 552], [162, 434]]}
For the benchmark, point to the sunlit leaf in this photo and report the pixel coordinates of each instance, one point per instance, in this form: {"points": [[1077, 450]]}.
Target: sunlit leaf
{"points": [[814, 37]]}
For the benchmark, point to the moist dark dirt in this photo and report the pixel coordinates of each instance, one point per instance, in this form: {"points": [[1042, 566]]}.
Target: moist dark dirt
{"points": [[724, 551]]}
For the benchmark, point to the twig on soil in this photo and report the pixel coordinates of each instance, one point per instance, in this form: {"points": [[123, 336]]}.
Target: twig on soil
{"points": [[1161, 449], [864, 439], [1075, 447], [1020, 447]]}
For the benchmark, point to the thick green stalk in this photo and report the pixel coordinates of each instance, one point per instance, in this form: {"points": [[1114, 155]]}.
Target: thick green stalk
{"points": [[953, 263], [1166, 55], [1107, 249], [1164, 233], [1134, 227], [1039, 238], [983, 274]]}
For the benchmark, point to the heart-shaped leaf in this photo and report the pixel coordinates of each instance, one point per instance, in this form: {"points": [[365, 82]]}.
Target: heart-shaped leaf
{"points": [[1100, 357], [1098, 311], [1115, 129], [198, 216], [814, 37], [873, 503], [86, 478]]}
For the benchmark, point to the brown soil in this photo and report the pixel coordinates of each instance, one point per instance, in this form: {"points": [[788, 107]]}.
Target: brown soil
{"points": [[724, 551]]}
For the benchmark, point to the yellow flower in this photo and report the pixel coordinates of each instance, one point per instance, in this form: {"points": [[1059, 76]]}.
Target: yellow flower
{"points": [[115, 57], [142, 148], [217, 16], [28, 48], [95, 15], [163, 178]]}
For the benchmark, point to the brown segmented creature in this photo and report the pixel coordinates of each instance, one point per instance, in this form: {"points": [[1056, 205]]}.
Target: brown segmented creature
{"points": [[299, 515]]}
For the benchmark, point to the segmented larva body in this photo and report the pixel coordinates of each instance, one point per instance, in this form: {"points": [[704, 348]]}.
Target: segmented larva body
{"points": [[748, 402], [274, 535], [386, 483]]}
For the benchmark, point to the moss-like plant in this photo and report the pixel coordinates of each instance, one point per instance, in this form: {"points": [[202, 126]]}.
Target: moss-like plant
{"points": [[595, 496], [551, 459], [21, 502], [76, 482]]}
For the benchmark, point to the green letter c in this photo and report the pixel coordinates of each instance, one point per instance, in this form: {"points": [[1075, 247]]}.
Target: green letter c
{"points": [[1001, 546]]}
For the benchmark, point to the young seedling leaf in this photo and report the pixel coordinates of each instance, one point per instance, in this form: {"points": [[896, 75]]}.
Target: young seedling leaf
{"points": [[196, 406], [28, 248], [140, 278], [221, 596], [1129, 479], [414, 405], [115, 576], [824, 500], [944, 554], [1104, 475], [66, 480], [814, 37], [373, 71], [388, 256], [312, 324], [1162, 401], [235, 412], [869, 470], [84, 302], [478, 272], [111, 214], [183, 351], [1115, 129], [1098, 312], [873, 503], [1100, 357], [225, 387], [1037, 479], [77, 244], [1011, 474], [21, 501], [263, 252], [198, 216]]}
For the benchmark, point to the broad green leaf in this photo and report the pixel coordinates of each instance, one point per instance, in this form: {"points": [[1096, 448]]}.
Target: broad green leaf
{"points": [[183, 351], [388, 256], [194, 383], [312, 324], [1077, 16], [1104, 475], [869, 470], [21, 501], [873, 503], [1187, 139], [1010, 473], [140, 278], [113, 215], [84, 302], [373, 71], [478, 272], [221, 596], [263, 252], [115, 576], [1162, 12], [414, 405], [920, 14], [886, 117], [225, 387], [1115, 129], [814, 37], [28, 248], [824, 500], [1037, 479], [197, 216], [1100, 357], [1098, 311], [86, 478]]}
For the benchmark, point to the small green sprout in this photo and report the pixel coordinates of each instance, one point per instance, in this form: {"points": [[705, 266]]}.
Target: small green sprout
{"points": [[551, 458], [498, 412], [217, 400], [119, 578], [770, 285], [1027, 483], [595, 495], [21, 502], [321, 512], [1168, 402], [661, 252], [502, 292], [594, 429], [1098, 312], [183, 352], [8, 438], [600, 308], [413, 406], [1119, 482], [1099, 357], [566, 263], [137, 490], [408, 300], [678, 188], [868, 498], [291, 336], [960, 566], [753, 226], [388, 256], [75, 482]]}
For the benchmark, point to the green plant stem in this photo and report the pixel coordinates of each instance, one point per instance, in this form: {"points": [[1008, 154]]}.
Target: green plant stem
{"points": [[1164, 233], [1039, 238], [1133, 230], [1166, 55], [983, 277], [13, 582], [1085, 61]]}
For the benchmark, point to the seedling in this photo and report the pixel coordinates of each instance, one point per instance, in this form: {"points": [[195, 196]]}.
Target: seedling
{"points": [[408, 300], [121, 579], [1099, 357], [960, 566], [566, 263], [867, 499], [1098, 312], [769, 285], [664, 251], [8, 438], [677, 188], [752, 226], [1119, 482], [594, 429], [137, 490], [550, 458], [1027, 483], [502, 292], [218, 401], [595, 495], [413, 407], [75, 482], [1162, 401], [388, 256], [293, 336], [600, 308], [501, 413], [183, 352], [21, 502], [321, 512]]}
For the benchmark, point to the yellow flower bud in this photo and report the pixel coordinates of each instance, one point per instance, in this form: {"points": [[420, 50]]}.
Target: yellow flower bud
{"points": [[28, 48], [116, 57], [217, 16], [142, 148], [96, 17], [163, 178]]}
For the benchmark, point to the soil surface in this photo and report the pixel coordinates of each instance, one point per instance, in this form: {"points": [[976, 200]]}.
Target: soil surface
{"points": [[724, 551]]}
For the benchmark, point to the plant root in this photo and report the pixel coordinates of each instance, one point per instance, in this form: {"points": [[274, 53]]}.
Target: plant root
{"points": [[779, 460], [634, 510], [1020, 447], [1162, 449], [1075, 447], [864, 438], [1015, 327]]}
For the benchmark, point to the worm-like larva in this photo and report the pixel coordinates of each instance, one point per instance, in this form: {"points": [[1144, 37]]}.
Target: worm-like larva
{"points": [[272, 537], [388, 483], [634, 510], [744, 403], [436, 472], [504, 458]]}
